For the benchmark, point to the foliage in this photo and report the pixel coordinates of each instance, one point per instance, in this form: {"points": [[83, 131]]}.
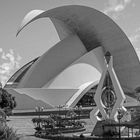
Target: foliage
{"points": [[42, 120], [7, 133], [137, 89], [55, 124], [110, 133], [71, 114], [7, 101]]}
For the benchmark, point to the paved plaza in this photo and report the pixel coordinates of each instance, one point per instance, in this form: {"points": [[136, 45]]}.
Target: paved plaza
{"points": [[25, 128]]}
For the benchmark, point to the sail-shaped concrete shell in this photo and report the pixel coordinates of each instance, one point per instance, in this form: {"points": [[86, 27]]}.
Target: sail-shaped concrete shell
{"points": [[85, 35], [53, 62], [95, 29]]}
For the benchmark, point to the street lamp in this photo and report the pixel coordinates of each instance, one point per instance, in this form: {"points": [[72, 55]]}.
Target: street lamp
{"points": [[119, 119], [39, 109], [78, 108], [58, 119], [59, 107], [65, 112]]}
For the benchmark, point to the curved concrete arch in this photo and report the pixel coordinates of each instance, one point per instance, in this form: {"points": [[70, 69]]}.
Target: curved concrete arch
{"points": [[53, 62], [74, 76], [95, 29], [18, 75], [94, 58]]}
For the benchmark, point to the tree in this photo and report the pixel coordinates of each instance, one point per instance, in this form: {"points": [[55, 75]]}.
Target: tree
{"points": [[7, 101], [137, 90]]}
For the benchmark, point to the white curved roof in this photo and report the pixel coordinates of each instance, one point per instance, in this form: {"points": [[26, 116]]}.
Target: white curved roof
{"points": [[85, 34], [94, 29], [56, 97]]}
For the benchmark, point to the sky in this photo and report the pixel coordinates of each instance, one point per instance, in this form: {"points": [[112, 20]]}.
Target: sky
{"points": [[39, 36]]}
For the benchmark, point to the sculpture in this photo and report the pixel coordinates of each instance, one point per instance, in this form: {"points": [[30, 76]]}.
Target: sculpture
{"points": [[109, 96]]}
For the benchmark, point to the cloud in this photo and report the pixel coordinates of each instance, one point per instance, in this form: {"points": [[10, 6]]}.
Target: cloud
{"points": [[138, 52], [10, 62], [115, 7], [134, 38]]}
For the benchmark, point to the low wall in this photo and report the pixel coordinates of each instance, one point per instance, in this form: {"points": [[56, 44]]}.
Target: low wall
{"points": [[83, 138]]}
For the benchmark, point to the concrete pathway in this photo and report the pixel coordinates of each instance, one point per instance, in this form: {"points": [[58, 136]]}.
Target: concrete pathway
{"points": [[23, 127]]}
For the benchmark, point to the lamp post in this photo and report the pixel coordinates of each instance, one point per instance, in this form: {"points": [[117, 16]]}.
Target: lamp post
{"points": [[79, 108], [65, 106], [58, 119], [39, 109], [119, 118], [59, 107]]}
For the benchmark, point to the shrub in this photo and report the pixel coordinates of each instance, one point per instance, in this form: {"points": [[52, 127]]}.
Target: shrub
{"points": [[7, 102], [7, 133]]}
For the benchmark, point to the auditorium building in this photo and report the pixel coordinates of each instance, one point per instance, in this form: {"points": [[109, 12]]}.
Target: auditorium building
{"points": [[69, 72]]}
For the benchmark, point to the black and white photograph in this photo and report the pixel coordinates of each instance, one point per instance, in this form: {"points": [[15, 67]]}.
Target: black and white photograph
{"points": [[69, 69]]}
